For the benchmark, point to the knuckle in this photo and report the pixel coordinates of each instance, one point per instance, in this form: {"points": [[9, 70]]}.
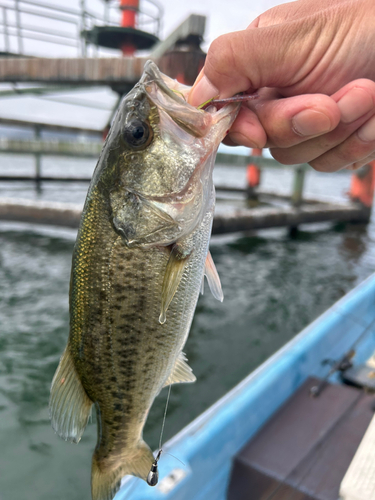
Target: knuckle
{"points": [[225, 64], [322, 166], [283, 156], [220, 56], [366, 84]]}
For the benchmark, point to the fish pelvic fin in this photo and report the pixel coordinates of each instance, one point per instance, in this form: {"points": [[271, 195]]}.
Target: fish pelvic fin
{"points": [[69, 405], [175, 269], [106, 479], [181, 373]]}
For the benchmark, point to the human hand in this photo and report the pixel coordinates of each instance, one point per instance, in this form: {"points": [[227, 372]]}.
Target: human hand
{"points": [[313, 65]]}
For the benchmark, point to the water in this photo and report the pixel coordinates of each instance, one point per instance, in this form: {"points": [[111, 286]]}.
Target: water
{"points": [[273, 287]]}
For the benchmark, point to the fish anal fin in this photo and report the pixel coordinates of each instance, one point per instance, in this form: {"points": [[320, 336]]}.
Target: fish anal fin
{"points": [[69, 405], [181, 373], [213, 278], [106, 480], [173, 274]]}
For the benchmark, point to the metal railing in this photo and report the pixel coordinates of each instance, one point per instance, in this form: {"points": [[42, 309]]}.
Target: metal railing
{"points": [[25, 20], [39, 147]]}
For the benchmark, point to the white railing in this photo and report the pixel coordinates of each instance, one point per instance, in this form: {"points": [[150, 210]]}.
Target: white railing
{"points": [[22, 21]]}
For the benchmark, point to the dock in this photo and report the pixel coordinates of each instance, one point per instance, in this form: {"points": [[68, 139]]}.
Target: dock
{"points": [[272, 209], [238, 220], [78, 71], [179, 55]]}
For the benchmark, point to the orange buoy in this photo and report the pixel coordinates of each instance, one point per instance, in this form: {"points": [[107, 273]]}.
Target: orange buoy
{"points": [[253, 175], [129, 10], [253, 171], [362, 185], [180, 77]]}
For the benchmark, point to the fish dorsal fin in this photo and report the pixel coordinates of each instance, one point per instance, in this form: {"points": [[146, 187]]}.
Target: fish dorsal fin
{"points": [[173, 274], [69, 405], [181, 373], [213, 278]]}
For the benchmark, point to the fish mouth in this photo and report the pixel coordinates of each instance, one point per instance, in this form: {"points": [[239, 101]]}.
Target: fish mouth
{"points": [[171, 96], [152, 74]]}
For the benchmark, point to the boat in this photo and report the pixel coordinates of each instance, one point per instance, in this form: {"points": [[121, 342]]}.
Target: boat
{"points": [[291, 428]]}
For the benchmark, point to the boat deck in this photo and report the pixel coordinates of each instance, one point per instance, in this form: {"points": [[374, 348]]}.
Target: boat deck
{"points": [[304, 451]]}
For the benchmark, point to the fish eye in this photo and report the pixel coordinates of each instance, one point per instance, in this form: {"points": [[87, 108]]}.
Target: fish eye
{"points": [[137, 134]]}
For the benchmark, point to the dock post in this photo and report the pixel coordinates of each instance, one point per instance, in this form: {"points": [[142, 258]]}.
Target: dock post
{"points": [[298, 182], [362, 187], [38, 163], [253, 176], [297, 194]]}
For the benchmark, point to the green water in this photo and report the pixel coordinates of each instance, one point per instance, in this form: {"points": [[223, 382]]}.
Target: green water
{"points": [[273, 287]]}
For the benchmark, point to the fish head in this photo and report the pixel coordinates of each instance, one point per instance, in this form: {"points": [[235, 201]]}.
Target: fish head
{"points": [[158, 160]]}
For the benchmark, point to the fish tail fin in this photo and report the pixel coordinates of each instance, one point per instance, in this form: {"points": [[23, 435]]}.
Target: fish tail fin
{"points": [[106, 480], [69, 405]]}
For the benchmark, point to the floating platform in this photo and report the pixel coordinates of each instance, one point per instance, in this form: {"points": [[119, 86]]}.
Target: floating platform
{"points": [[225, 220]]}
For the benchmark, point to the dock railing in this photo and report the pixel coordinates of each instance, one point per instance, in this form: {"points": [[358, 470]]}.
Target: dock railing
{"points": [[299, 170], [24, 20], [291, 213], [39, 147]]}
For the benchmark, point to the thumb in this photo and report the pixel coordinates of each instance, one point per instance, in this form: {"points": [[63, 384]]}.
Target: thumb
{"points": [[274, 56]]}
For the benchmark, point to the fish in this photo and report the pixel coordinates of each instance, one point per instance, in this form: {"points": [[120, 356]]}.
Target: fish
{"points": [[138, 265]]}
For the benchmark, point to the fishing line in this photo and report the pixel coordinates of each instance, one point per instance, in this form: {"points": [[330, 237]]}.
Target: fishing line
{"points": [[153, 475], [170, 454], [162, 430], [165, 416]]}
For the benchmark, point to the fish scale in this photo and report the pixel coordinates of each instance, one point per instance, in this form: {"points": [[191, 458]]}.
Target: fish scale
{"points": [[137, 269]]}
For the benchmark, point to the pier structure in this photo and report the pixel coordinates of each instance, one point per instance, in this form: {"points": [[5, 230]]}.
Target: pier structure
{"points": [[273, 209], [179, 55]]}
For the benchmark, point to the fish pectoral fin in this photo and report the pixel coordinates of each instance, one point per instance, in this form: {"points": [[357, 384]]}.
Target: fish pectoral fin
{"points": [[181, 373], [173, 274], [106, 481], [213, 278], [69, 405]]}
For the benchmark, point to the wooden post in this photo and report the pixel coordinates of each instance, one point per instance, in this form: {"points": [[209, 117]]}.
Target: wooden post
{"points": [[298, 182], [297, 195], [38, 163]]}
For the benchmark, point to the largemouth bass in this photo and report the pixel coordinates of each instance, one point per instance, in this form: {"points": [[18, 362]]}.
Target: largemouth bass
{"points": [[138, 263]]}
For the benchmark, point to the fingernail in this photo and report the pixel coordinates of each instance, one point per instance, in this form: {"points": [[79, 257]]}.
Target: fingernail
{"points": [[202, 92], [367, 132], [354, 104], [311, 122]]}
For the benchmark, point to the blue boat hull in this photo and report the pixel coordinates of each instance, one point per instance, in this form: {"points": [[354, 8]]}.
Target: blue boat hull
{"points": [[209, 443]]}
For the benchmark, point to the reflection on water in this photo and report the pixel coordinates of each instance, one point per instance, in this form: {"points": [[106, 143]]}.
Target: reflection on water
{"points": [[273, 287]]}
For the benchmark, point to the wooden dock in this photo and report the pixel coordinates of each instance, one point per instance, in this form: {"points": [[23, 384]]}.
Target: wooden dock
{"points": [[228, 221], [123, 71], [120, 73], [294, 210]]}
